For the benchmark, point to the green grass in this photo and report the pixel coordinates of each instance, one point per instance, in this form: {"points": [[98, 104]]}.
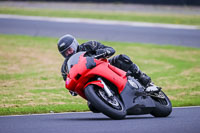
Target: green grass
{"points": [[43, 109], [31, 82], [125, 16]]}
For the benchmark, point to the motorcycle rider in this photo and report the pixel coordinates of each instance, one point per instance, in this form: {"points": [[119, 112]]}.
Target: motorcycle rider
{"points": [[68, 45]]}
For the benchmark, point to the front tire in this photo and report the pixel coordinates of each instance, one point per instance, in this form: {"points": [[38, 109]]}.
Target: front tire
{"points": [[163, 106], [92, 108], [111, 107]]}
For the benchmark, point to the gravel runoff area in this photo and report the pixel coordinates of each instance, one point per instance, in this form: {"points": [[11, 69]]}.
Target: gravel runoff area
{"points": [[115, 7]]}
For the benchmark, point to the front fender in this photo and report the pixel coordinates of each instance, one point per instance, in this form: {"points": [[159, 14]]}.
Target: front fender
{"points": [[97, 82]]}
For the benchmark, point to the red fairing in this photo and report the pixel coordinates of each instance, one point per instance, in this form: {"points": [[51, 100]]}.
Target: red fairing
{"points": [[111, 73], [87, 68]]}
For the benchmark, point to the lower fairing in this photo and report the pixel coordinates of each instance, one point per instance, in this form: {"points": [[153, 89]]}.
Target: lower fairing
{"points": [[135, 100]]}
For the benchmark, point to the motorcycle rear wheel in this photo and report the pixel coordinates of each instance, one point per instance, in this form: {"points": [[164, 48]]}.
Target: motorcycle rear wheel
{"points": [[112, 108], [163, 106]]}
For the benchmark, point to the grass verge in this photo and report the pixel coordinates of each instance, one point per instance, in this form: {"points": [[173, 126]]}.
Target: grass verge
{"points": [[30, 79], [125, 16]]}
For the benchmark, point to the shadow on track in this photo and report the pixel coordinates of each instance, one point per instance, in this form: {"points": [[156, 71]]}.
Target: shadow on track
{"points": [[103, 118]]}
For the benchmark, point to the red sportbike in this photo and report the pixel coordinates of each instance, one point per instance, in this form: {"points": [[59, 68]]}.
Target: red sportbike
{"points": [[110, 90]]}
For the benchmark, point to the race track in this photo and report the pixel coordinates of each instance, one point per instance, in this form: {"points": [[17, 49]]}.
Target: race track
{"points": [[182, 120], [101, 31]]}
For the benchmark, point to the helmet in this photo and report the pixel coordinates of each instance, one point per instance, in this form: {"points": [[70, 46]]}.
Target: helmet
{"points": [[67, 45]]}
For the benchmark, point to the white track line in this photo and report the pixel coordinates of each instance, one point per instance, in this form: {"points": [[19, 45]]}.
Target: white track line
{"points": [[96, 21], [186, 107], [46, 114]]}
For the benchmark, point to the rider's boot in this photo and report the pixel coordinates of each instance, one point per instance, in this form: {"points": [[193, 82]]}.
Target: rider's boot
{"points": [[143, 79], [152, 88]]}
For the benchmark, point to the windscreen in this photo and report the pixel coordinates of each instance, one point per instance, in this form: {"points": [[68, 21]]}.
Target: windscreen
{"points": [[73, 60]]}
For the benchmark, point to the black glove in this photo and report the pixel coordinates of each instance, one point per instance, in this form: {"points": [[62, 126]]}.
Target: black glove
{"points": [[101, 51], [106, 52]]}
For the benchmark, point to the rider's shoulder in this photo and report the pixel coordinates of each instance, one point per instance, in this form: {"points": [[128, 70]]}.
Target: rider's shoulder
{"points": [[93, 43]]}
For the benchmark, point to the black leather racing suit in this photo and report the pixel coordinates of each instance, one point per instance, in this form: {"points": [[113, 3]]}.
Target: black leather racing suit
{"points": [[121, 61]]}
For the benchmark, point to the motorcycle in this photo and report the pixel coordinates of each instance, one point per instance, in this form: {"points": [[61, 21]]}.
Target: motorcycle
{"points": [[112, 91]]}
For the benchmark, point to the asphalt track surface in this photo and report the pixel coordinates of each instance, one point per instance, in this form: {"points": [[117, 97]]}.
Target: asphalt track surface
{"points": [[103, 32], [181, 120]]}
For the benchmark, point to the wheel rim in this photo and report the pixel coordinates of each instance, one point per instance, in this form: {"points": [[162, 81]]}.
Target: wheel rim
{"points": [[111, 101], [163, 100]]}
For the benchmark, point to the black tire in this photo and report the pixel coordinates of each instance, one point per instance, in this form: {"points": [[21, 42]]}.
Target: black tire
{"points": [[95, 98], [163, 106], [92, 108]]}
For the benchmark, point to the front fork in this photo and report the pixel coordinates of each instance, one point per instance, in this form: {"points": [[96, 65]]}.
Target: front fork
{"points": [[106, 89]]}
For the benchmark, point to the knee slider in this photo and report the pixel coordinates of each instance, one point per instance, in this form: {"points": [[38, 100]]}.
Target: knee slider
{"points": [[125, 62]]}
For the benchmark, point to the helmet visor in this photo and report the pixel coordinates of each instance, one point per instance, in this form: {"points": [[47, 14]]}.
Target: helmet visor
{"points": [[69, 51]]}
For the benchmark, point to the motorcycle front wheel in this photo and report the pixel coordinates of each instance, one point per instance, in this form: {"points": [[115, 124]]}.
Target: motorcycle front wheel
{"points": [[163, 106], [110, 106]]}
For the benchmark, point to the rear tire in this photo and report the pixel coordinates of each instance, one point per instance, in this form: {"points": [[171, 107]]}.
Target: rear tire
{"points": [[112, 108], [163, 106]]}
